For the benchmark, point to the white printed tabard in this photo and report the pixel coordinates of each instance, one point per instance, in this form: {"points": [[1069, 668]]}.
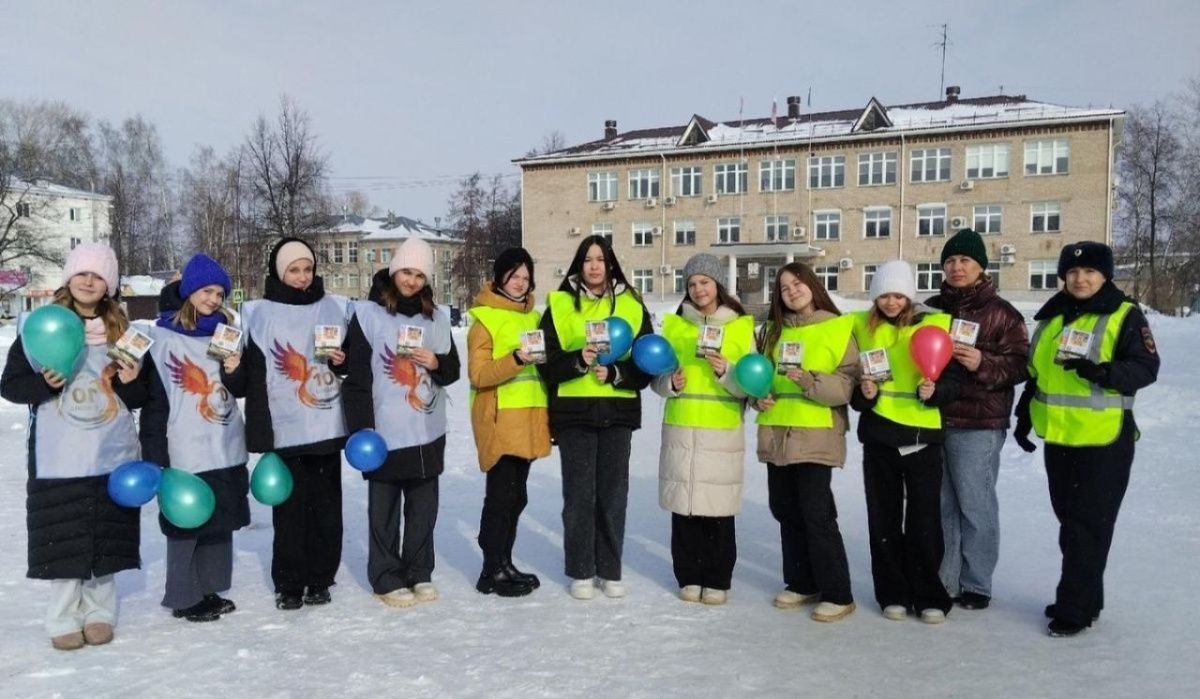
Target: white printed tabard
{"points": [[205, 430], [304, 395], [85, 430], [410, 409]]}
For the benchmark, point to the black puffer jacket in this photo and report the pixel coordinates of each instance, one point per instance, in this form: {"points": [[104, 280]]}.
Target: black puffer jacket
{"points": [[987, 393], [229, 485], [260, 434], [421, 461], [75, 529]]}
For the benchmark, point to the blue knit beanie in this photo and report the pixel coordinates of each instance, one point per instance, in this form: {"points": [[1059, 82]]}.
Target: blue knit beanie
{"points": [[202, 271]]}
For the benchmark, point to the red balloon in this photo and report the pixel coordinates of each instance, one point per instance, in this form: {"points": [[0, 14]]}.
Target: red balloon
{"points": [[931, 349]]}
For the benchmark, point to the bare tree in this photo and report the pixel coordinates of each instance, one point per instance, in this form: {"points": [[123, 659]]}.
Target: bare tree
{"points": [[553, 141], [286, 174], [48, 140], [135, 176], [486, 216], [22, 235], [1149, 176]]}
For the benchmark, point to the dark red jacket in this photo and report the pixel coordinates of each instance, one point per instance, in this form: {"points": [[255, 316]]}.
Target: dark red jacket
{"points": [[986, 400]]}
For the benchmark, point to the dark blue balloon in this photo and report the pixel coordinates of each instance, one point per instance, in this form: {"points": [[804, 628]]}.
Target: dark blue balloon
{"points": [[620, 339], [366, 450], [654, 355], [134, 483]]}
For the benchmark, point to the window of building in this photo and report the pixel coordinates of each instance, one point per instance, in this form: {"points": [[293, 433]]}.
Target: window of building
{"points": [[687, 181], [929, 276], [1043, 274], [987, 218], [76, 242], [876, 168], [776, 175], [604, 230], [769, 274], [775, 228], [323, 253], [1045, 217], [643, 184], [372, 255], [930, 165], [685, 232], [385, 255], [74, 214], [729, 230], [678, 278], [1050, 157], [826, 171], [868, 276], [643, 280], [828, 225], [730, 178], [877, 222], [338, 282], [23, 209], [339, 252], [828, 276], [993, 272], [352, 282], [352, 252], [931, 219], [987, 162], [602, 186], [643, 235]]}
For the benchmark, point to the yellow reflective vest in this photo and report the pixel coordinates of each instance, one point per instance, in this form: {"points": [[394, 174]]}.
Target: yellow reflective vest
{"points": [[898, 399], [824, 346], [1068, 410], [525, 390], [569, 326], [705, 402]]}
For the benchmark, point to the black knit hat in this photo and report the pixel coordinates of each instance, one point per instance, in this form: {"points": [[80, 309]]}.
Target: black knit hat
{"points": [[508, 262], [966, 242], [1097, 256]]}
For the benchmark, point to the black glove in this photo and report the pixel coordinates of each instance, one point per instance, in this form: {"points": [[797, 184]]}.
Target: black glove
{"points": [[1088, 370], [1024, 421]]}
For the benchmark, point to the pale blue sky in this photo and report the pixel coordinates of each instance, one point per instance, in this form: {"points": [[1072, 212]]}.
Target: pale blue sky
{"points": [[412, 92]]}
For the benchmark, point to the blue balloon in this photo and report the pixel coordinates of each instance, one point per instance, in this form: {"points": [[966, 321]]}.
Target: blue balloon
{"points": [[654, 355], [134, 483], [620, 339], [366, 450]]}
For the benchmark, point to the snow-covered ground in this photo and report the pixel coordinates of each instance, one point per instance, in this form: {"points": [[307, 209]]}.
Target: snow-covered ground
{"points": [[651, 644]]}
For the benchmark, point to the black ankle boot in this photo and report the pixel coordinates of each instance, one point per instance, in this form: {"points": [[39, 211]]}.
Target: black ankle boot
{"points": [[201, 611], [529, 578], [219, 604], [499, 581]]}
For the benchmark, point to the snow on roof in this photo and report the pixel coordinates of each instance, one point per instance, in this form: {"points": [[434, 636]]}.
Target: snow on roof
{"points": [[393, 228], [141, 285], [964, 113], [47, 188]]}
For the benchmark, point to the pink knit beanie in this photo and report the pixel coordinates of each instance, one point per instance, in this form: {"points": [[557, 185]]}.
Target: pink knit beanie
{"points": [[97, 258], [413, 253]]}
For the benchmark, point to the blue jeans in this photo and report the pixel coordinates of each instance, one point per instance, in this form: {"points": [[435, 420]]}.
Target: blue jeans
{"points": [[970, 511]]}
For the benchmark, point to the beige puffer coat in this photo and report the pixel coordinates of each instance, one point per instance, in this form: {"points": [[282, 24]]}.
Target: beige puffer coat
{"points": [[783, 446], [699, 469]]}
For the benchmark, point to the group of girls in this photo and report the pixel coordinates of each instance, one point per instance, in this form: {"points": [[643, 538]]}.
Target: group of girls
{"points": [[302, 408]]}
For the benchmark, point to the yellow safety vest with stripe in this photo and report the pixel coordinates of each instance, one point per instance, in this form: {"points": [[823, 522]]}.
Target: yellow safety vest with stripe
{"points": [[525, 390], [705, 402], [1069, 410], [898, 399], [824, 346], [569, 325]]}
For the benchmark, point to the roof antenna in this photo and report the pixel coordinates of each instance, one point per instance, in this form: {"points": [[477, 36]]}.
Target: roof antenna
{"points": [[943, 43]]}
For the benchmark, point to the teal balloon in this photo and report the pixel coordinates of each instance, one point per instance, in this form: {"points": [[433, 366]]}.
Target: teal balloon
{"points": [[185, 499], [754, 374], [620, 339], [271, 482], [53, 337]]}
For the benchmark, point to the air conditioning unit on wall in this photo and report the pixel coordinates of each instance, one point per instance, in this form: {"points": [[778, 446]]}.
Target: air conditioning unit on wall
{"points": [[665, 270], [799, 232], [609, 205], [669, 201], [560, 272], [966, 185], [574, 230], [651, 203], [958, 222], [711, 199], [846, 263]]}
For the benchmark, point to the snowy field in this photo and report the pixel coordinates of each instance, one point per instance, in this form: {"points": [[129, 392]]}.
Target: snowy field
{"points": [[650, 644]]}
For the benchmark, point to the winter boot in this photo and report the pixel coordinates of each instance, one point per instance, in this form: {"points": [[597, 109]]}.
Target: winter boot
{"points": [[317, 596], [502, 582], [220, 604], [515, 574]]}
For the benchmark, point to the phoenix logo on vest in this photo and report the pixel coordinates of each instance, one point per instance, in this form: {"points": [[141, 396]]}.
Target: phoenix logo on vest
{"points": [[90, 401], [318, 387], [422, 394], [214, 404]]}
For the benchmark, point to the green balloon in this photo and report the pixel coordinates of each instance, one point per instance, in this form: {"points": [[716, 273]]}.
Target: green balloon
{"points": [[271, 482], [53, 337], [754, 374], [185, 499]]}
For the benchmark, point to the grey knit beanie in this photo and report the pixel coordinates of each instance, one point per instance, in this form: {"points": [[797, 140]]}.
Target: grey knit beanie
{"points": [[705, 264]]}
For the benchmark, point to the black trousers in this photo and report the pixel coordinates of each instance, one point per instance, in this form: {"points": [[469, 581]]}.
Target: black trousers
{"points": [[905, 522], [814, 557], [391, 565], [703, 550], [307, 548], [595, 470], [1087, 485], [504, 500]]}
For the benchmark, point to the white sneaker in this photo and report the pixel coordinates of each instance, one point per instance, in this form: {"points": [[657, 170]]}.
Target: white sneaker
{"points": [[895, 612], [690, 593], [583, 589], [787, 599], [402, 597], [614, 589], [425, 592], [713, 596], [828, 611], [933, 616]]}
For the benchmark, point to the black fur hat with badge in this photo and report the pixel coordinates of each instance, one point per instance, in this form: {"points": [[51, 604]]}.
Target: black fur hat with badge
{"points": [[1097, 256]]}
